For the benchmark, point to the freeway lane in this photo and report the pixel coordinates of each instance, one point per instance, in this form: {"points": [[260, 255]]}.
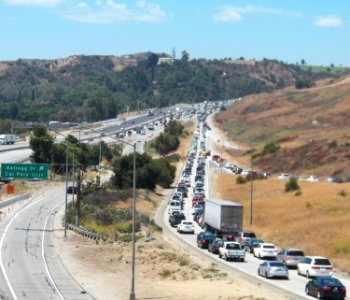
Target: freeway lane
{"points": [[15, 156], [29, 263], [294, 287]]}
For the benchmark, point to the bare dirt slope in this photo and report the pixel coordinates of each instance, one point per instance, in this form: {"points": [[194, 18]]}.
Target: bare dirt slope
{"points": [[310, 126]]}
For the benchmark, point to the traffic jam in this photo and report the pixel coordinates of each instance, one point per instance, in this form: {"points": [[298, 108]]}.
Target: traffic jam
{"points": [[215, 226]]}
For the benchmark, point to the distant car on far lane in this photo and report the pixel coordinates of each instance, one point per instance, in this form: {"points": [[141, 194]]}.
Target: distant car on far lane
{"points": [[284, 176], [313, 178]]}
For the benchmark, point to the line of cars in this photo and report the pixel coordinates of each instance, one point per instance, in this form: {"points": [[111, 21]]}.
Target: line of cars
{"points": [[235, 245]]}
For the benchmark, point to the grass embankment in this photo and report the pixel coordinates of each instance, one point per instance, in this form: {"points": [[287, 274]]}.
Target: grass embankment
{"points": [[316, 221]]}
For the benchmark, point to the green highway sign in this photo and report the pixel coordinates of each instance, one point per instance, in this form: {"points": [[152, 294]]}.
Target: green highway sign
{"points": [[25, 171]]}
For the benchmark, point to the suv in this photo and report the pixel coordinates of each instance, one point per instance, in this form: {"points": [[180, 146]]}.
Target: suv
{"points": [[291, 257], [204, 238], [315, 266], [245, 236]]}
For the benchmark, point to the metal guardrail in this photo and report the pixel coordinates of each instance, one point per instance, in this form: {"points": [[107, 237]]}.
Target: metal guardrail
{"points": [[14, 200], [91, 235]]}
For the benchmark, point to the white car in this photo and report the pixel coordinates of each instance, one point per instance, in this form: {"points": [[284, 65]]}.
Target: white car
{"points": [[265, 250], [315, 266], [284, 176], [313, 178], [185, 227]]}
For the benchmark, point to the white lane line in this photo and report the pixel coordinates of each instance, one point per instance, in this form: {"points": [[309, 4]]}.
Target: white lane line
{"points": [[2, 267], [1, 262], [43, 253]]}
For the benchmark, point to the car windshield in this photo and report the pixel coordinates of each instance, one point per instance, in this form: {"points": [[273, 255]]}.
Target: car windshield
{"points": [[249, 234], [233, 246], [322, 262], [330, 281], [277, 264], [295, 253]]}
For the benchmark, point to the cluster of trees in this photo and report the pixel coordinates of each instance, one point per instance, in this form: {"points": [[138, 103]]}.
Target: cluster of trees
{"points": [[45, 150], [91, 87], [149, 172], [169, 140]]}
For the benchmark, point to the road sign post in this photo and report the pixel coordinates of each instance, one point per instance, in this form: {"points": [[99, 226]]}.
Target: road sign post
{"points": [[25, 171]]}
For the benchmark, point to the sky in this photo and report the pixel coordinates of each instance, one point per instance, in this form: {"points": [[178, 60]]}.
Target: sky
{"points": [[316, 31]]}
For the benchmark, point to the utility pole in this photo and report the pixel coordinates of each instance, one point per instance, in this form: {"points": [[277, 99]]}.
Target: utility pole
{"points": [[78, 196], [251, 191]]}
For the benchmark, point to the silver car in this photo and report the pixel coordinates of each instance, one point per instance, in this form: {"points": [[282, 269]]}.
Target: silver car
{"points": [[271, 269], [291, 257]]}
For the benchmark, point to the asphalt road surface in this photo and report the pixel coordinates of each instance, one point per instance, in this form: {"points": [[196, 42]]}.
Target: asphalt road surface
{"points": [[30, 266]]}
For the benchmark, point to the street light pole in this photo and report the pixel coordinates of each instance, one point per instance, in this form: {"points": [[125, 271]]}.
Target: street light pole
{"points": [[99, 162], [66, 200], [132, 293]]}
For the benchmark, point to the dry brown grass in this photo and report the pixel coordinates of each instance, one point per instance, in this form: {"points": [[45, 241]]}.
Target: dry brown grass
{"points": [[315, 221]]}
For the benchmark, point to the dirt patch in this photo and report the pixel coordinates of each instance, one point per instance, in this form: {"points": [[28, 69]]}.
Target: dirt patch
{"points": [[317, 221]]}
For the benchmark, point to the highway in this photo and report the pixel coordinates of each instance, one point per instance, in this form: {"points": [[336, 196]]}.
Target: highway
{"points": [[294, 287], [30, 266], [15, 156]]}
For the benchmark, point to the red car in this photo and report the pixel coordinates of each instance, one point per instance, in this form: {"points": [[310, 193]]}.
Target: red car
{"points": [[215, 157]]}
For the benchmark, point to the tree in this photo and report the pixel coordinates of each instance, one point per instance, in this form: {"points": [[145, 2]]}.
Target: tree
{"points": [[185, 56], [303, 62], [149, 172], [41, 143]]}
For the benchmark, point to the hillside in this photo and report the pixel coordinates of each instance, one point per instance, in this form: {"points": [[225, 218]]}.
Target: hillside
{"points": [[311, 127], [100, 87]]}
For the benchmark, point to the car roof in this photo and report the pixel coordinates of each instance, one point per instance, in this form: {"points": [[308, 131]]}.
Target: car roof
{"points": [[268, 244]]}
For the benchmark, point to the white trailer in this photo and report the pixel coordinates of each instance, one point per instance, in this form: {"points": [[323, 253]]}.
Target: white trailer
{"points": [[222, 216]]}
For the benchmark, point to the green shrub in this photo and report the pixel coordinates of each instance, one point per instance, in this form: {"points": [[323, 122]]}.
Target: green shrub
{"points": [[298, 193], [332, 144], [342, 193], [292, 185], [240, 180], [165, 273], [271, 147]]}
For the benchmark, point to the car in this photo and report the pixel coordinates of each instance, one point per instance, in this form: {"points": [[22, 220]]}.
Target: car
{"points": [[176, 219], [204, 238], [196, 208], [284, 176], [315, 266], [250, 245], [72, 189], [326, 288], [185, 227], [290, 256], [271, 269], [263, 250], [245, 236], [214, 245], [230, 235], [335, 179], [232, 250], [313, 178]]}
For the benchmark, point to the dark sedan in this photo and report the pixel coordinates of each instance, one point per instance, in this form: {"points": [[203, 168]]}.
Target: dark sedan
{"points": [[326, 287], [214, 246], [204, 238], [176, 219]]}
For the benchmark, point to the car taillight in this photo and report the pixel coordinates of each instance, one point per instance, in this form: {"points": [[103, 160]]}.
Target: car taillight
{"points": [[315, 268], [329, 268], [203, 241], [241, 239], [287, 258], [326, 288], [343, 289]]}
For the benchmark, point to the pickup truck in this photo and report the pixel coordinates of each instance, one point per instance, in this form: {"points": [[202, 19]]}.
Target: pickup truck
{"points": [[232, 250]]}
